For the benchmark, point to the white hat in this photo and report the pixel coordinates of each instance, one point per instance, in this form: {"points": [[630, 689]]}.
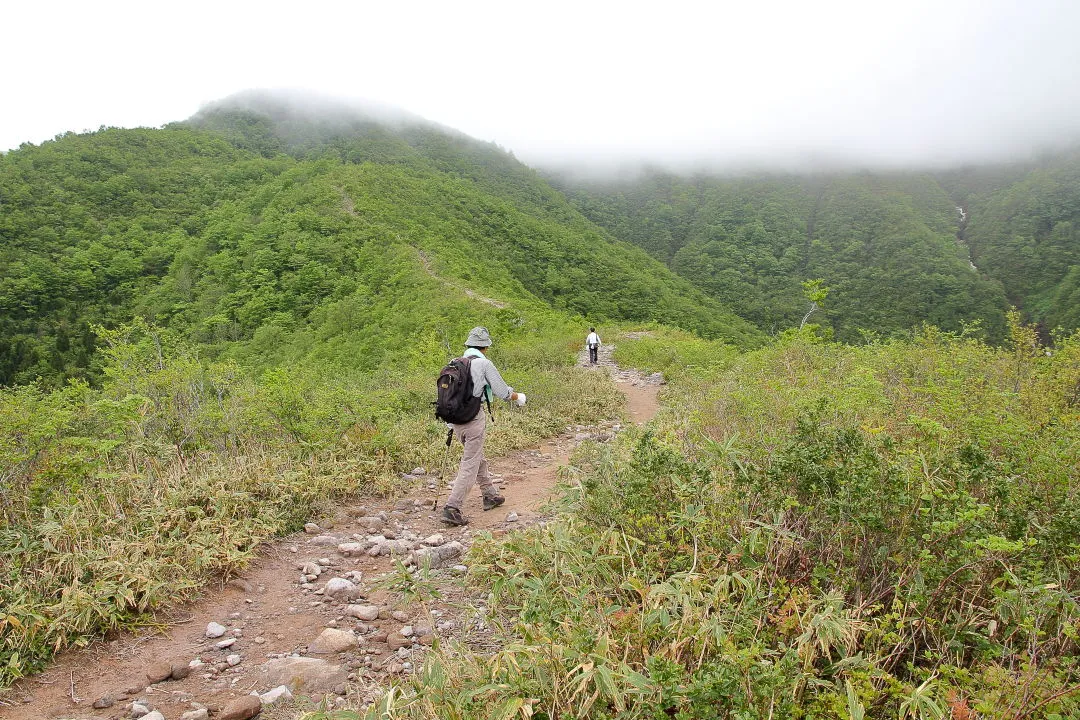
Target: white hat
{"points": [[478, 337]]}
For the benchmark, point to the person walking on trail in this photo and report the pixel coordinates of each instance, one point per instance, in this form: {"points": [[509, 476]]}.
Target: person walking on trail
{"points": [[593, 343], [486, 382]]}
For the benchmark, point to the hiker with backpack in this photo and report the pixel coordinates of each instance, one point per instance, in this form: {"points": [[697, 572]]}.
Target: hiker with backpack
{"points": [[593, 343], [463, 387]]}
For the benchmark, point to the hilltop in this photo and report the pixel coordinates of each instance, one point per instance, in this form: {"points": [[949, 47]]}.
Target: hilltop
{"points": [[267, 233]]}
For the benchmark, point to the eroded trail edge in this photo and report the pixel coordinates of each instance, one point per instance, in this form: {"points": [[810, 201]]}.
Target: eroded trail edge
{"points": [[312, 612]]}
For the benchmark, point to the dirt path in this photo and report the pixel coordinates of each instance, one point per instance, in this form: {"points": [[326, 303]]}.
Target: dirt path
{"points": [[273, 613]]}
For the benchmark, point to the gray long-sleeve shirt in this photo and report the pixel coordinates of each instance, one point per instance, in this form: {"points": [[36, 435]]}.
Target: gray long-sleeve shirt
{"points": [[484, 374]]}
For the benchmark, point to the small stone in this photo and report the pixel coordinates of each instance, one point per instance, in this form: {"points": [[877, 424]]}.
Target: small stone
{"points": [[214, 630], [427, 639], [400, 616], [105, 701], [434, 540], [260, 640], [397, 640], [371, 524], [407, 631], [159, 671], [332, 641], [366, 613], [340, 589], [324, 540], [242, 708], [233, 660], [155, 715], [180, 670], [512, 517], [225, 644], [312, 529], [418, 471], [200, 714], [139, 710], [352, 548], [281, 692]]}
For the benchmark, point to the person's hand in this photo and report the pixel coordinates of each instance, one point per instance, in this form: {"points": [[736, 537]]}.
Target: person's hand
{"points": [[520, 400]]}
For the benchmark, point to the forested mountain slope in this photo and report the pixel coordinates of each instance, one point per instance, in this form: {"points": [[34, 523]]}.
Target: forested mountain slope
{"points": [[1024, 229], [266, 233], [886, 246]]}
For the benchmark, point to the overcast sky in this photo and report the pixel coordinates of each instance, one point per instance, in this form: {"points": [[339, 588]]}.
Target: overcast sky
{"points": [[792, 82]]}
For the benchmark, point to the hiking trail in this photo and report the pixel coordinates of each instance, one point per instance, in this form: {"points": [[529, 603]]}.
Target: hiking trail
{"points": [[308, 612]]}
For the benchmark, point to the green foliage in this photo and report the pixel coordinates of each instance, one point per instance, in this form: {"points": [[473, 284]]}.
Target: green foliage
{"points": [[260, 230], [830, 532], [118, 500], [886, 245], [1023, 230]]}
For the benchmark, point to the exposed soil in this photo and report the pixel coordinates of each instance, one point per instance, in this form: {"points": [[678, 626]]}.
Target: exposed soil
{"points": [[271, 612]]}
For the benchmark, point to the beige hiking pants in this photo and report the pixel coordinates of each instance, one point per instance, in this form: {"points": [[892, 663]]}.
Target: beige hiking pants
{"points": [[474, 467]]}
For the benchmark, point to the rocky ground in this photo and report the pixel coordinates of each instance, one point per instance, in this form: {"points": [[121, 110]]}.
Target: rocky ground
{"points": [[319, 618]]}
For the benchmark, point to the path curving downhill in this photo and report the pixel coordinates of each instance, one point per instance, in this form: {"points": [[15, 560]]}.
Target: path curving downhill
{"points": [[310, 612]]}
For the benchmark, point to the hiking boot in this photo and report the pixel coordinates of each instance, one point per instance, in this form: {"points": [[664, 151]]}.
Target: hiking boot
{"points": [[453, 516], [493, 501]]}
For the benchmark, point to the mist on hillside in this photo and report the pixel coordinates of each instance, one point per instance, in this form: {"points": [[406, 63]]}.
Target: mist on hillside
{"points": [[776, 86]]}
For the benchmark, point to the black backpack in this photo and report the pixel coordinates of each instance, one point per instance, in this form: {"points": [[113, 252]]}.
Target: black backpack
{"points": [[455, 403]]}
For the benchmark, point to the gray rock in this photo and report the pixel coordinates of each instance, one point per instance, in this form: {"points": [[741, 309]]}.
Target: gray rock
{"points": [[400, 615], [512, 517], [225, 644], [214, 630], [324, 540], [434, 540], [200, 714], [242, 708], [105, 701], [363, 612], [310, 568], [233, 660], [340, 589], [139, 710], [353, 548], [436, 557], [155, 715], [371, 523], [332, 641], [312, 529], [159, 671], [303, 674], [281, 692]]}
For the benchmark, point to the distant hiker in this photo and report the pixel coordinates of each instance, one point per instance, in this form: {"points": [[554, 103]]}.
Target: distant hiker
{"points": [[593, 343], [466, 418]]}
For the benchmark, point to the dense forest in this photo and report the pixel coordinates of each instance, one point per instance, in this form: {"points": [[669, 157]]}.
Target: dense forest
{"points": [[896, 249], [253, 246], [859, 498]]}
